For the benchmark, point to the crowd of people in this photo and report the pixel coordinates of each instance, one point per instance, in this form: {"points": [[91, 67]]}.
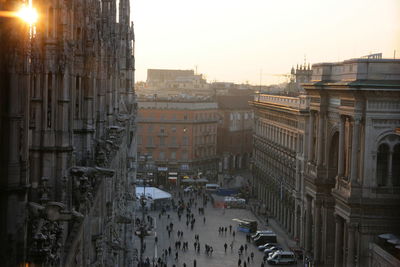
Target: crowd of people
{"points": [[182, 206]]}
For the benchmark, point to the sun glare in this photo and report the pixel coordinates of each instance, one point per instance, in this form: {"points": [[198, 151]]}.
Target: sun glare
{"points": [[28, 14]]}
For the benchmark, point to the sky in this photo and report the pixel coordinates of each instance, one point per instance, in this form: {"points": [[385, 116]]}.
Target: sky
{"points": [[255, 40]]}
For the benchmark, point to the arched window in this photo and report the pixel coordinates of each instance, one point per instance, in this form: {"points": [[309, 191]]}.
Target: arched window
{"points": [[396, 165], [382, 165]]}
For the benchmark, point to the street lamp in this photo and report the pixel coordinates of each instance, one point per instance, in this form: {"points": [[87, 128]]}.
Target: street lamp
{"points": [[141, 232]]}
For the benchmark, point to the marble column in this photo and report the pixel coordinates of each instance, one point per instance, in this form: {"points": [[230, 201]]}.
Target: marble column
{"points": [[321, 126], [350, 245], [308, 225], [354, 150], [390, 165], [311, 137], [338, 242], [341, 147], [317, 233]]}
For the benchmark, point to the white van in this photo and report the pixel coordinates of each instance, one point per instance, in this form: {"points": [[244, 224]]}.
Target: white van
{"points": [[282, 257], [212, 187]]}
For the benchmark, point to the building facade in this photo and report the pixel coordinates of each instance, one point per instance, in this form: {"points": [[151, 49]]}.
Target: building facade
{"points": [[235, 132], [180, 136], [67, 135], [348, 176], [278, 156]]}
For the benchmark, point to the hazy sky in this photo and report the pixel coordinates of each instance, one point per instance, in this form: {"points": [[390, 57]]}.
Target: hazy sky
{"points": [[233, 40]]}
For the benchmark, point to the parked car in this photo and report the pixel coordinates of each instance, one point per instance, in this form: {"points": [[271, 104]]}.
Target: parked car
{"points": [[258, 233], [282, 257], [265, 238], [272, 249], [265, 246]]}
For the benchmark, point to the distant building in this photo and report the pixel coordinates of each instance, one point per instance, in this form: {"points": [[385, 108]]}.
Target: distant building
{"points": [[235, 132], [181, 137], [175, 79], [341, 177]]}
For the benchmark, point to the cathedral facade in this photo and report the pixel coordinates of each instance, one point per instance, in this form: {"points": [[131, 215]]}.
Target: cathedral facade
{"points": [[67, 127]]}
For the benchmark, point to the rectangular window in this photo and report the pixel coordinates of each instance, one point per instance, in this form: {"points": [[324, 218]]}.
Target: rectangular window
{"points": [[184, 155], [173, 129], [162, 155], [162, 140], [173, 155], [173, 140], [150, 128], [139, 139], [149, 140], [185, 140]]}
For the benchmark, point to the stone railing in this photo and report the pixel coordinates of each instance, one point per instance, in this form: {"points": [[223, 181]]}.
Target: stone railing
{"points": [[293, 102]]}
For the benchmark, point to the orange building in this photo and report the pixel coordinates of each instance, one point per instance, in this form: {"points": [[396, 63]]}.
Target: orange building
{"points": [[181, 138]]}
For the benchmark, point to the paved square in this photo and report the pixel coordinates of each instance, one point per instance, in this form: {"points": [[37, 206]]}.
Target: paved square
{"points": [[208, 234]]}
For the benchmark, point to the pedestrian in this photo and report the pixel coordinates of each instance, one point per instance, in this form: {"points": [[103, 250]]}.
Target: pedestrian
{"points": [[233, 233], [252, 256], [239, 262], [245, 248], [262, 264], [225, 247], [194, 263], [244, 264], [230, 228], [169, 250], [176, 255], [248, 259], [184, 264], [204, 220], [231, 245]]}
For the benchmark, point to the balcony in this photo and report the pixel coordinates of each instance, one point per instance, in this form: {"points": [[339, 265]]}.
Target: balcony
{"points": [[293, 102]]}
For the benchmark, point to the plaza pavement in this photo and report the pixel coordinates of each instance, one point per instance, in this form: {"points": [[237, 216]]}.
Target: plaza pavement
{"points": [[208, 232]]}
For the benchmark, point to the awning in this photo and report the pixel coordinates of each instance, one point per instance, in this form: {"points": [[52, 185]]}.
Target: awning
{"points": [[152, 192], [172, 178]]}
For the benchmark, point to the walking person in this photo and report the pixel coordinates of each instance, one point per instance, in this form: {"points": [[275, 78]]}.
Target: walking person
{"points": [[225, 247]]}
